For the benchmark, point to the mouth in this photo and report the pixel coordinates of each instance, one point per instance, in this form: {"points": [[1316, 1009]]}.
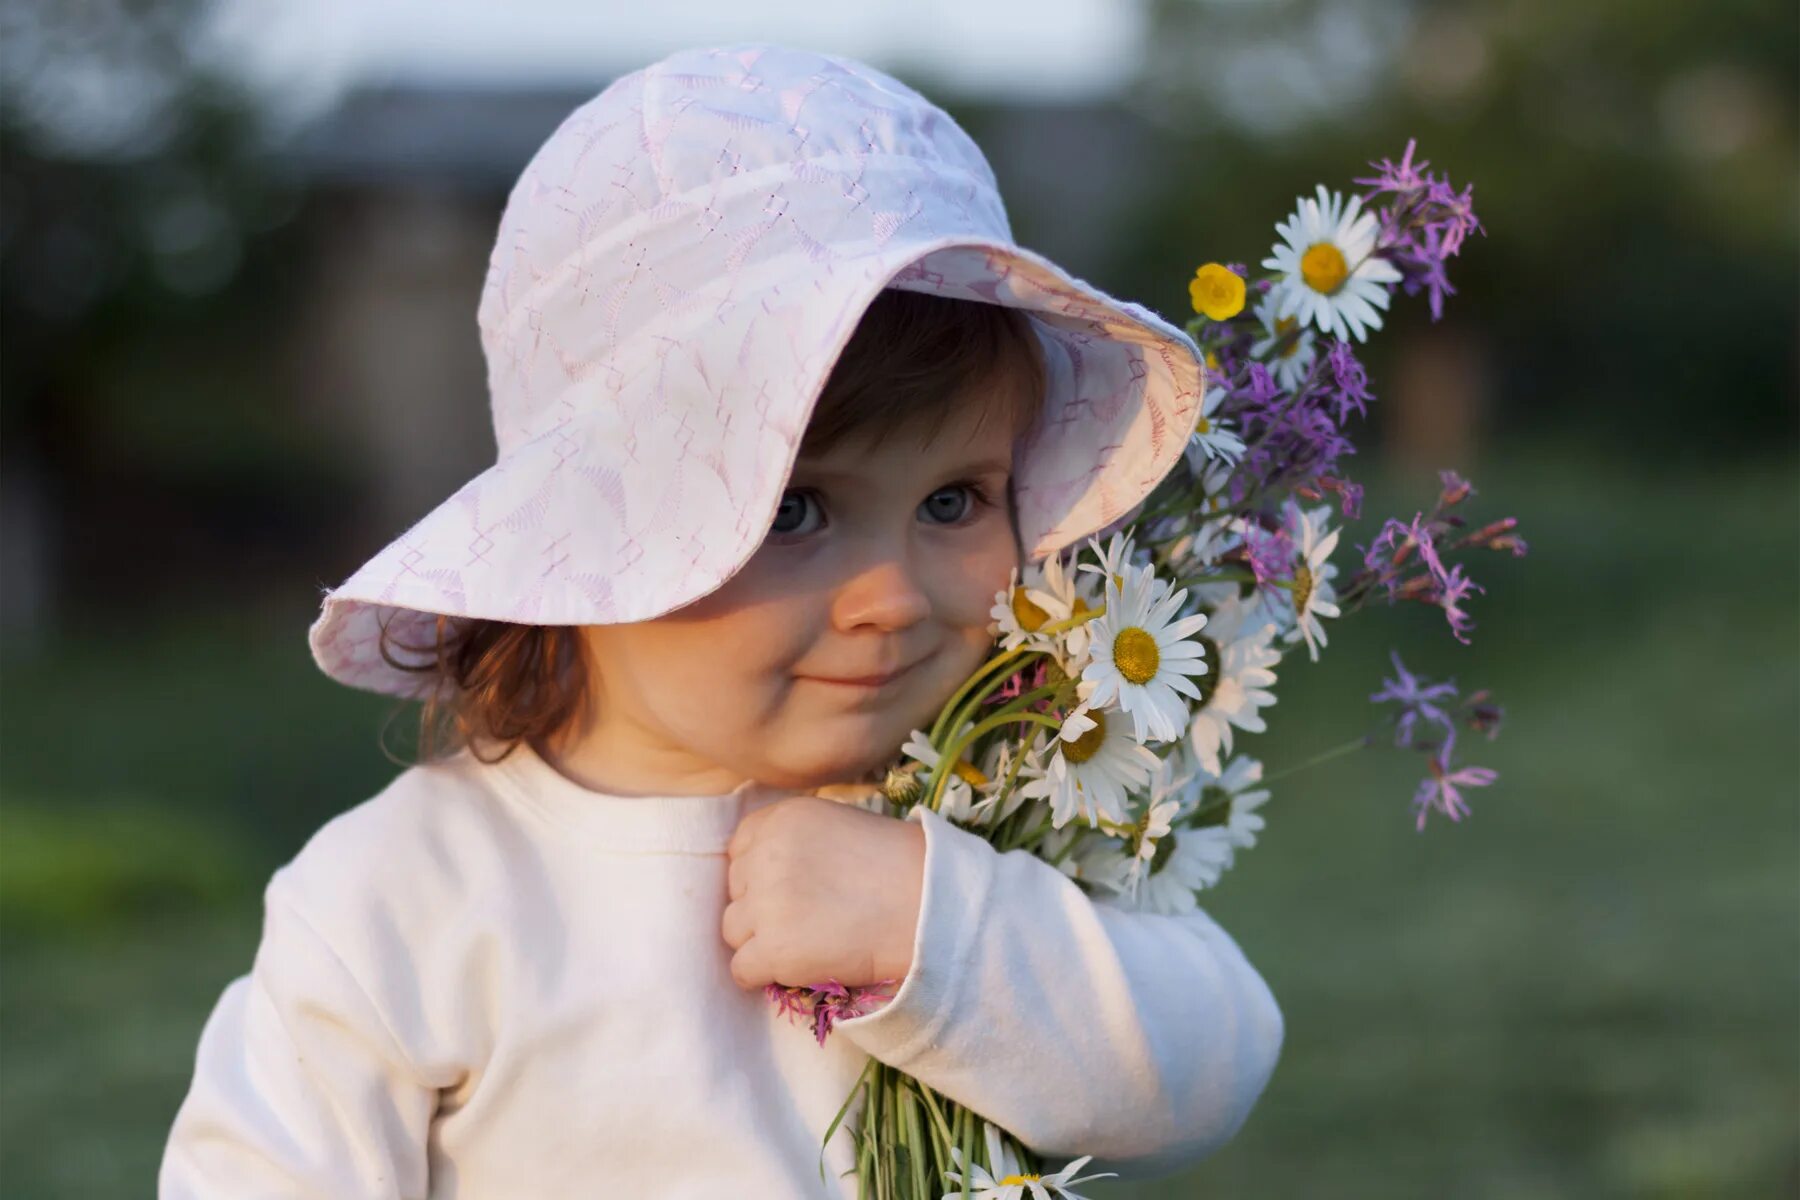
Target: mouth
{"points": [[866, 683]]}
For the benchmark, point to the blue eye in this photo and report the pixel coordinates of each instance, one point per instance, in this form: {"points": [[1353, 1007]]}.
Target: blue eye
{"points": [[790, 515], [801, 513], [965, 500], [949, 513]]}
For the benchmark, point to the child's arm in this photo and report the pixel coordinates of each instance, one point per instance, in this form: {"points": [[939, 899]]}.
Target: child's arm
{"points": [[1141, 1039], [300, 1088]]}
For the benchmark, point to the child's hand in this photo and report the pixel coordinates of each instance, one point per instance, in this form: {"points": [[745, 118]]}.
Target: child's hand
{"points": [[822, 890]]}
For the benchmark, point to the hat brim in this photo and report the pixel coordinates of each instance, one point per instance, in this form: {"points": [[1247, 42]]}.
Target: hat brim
{"points": [[613, 516]]}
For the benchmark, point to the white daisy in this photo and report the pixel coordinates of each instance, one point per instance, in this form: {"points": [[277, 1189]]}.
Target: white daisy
{"points": [[1006, 1181], [1092, 767], [1171, 785], [1068, 593], [1228, 804], [1310, 592], [960, 792], [1115, 556], [1290, 366], [1097, 859], [1212, 439], [1210, 538], [1240, 657], [1183, 860], [1142, 655], [1331, 276], [996, 764], [1018, 612]]}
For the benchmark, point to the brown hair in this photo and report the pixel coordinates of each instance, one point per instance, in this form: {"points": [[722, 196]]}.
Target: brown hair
{"points": [[909, 361]]}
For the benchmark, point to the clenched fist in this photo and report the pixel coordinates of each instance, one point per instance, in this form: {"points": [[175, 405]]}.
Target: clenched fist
{"points": [[822, 890]]}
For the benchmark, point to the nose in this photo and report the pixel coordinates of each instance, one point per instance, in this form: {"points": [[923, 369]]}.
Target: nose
{"points": [[883, 591]]}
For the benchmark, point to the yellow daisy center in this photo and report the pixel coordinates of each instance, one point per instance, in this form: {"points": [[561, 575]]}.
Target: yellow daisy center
{"points": [[1282, 325], [1081, 608], [1212, 360], [1088, 744], [1303, 587], [1136, 655], [1217, 291], [1016, 1179], [1202, 425], [969, 774], [1029, 615], [1323, 268]]}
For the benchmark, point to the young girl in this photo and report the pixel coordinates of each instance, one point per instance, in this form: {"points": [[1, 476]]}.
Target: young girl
{"points": [[780, 407]]}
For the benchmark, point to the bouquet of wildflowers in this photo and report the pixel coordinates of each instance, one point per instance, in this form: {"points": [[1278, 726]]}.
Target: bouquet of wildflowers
{"points": [[1099, 735]]}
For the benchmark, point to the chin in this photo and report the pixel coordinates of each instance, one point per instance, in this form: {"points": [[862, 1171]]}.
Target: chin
{"points": [[853, 751]]}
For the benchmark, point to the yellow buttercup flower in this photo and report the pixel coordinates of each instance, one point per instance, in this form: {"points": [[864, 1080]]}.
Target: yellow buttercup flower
{"points": [[1217, 292]]}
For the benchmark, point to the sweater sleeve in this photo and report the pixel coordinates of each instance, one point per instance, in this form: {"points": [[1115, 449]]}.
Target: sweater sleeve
{"points": [[300, 1086], [1081, 1028]]}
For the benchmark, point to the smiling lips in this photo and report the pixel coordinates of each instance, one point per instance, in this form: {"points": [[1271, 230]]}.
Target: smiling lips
{"points": [[866, 681]]}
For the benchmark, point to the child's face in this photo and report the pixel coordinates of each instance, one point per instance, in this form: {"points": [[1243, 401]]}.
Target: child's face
{"points": [[880, 559]]}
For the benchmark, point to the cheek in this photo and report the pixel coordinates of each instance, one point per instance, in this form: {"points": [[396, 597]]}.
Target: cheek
{"points": [[715, 675], [979, 575]]}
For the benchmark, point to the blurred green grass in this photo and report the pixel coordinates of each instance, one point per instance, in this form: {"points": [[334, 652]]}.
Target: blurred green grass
{"points": [[1588, 989]]}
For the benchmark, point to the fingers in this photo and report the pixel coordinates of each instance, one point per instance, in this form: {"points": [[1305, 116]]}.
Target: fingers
{"points": [[748, 969], [735, 925], [745, 834], [737, 878]]}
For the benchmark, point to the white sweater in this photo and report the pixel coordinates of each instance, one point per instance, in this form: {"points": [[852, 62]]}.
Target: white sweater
{"points": [[490, 982]]}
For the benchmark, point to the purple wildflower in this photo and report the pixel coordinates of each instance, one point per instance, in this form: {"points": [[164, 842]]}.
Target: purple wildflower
{"points": [[1438, 790], [1402, 178], [1416, 700], [1349, 494], [1352, 381], [1428, 273], [1020, 682], [829, 1002], [1499, 536], [838, 1003], [1455, 589], [1454, 489], [1271, 554], [1386, 557]]}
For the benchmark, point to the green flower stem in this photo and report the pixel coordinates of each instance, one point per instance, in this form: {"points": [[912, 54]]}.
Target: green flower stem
{"points": [[870, 1174], [946, 1138], [1072, 622], [971, 684], [968, 1153], [1221, 575], [890, 1164], [973, 704], [862, 1081], [947, 758], [1349, 747], [917, 1158], [1005, 837], [1063, 853]]}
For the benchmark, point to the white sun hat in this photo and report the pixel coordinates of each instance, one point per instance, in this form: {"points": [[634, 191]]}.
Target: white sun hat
{"points": [[675, 274]]}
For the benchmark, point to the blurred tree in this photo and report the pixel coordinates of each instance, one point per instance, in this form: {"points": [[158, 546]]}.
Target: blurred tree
{"points": [[1634, 163], [135, 195]]}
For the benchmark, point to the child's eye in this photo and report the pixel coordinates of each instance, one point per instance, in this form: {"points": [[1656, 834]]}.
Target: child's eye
{"points": [[800, 513], [955, 503], [790, 515]]}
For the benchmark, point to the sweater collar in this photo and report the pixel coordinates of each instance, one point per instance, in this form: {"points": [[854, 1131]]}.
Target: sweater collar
{"points": [[625, 824]]}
